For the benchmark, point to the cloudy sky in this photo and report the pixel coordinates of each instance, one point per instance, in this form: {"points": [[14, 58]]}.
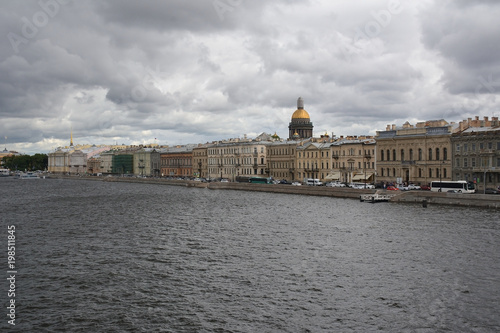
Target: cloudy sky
{"points": [[190, 71]]}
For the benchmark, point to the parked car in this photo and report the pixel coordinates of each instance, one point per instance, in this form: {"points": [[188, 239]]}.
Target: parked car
{"points": [[296, 184], [425, 187], [491, 191], [335, 184], [224, 180], [392, 188], [413, 187]]}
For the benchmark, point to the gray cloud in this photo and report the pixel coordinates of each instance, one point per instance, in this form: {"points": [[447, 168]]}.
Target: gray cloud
{"points": [[195, 71]]}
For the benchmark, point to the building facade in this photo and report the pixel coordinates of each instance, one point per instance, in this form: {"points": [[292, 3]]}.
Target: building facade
{"points": [[415, 154], [231, 160], [281, 157], [147, 162], [476, 152], [200, 161], [353, 160], [177, 161]]}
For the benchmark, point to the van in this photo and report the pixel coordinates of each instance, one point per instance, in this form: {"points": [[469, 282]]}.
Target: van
{"points": [[313, 182]]}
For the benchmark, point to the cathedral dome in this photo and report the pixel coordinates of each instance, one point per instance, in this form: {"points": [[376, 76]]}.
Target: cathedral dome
{"points": [[300, 114]]}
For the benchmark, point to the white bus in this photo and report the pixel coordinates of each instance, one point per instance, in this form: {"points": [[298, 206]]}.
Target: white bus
{"points": [[461, 186]]}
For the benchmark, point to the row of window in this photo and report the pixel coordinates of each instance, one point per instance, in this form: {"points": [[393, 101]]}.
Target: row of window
{"points": [[431, 155], [471, 162], [233, 171], [227, 151], [176, 162], [472, 147], [386, 172], [234, 161]]}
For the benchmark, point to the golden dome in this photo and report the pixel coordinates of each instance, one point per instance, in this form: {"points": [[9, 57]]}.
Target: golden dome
{"points": [[300, 114]]}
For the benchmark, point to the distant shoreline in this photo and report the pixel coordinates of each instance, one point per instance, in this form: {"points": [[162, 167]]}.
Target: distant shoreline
{"points": [[422, 197]]}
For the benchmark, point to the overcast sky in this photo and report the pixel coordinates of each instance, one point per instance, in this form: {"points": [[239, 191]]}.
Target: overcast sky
{"points": [[191, 71]]}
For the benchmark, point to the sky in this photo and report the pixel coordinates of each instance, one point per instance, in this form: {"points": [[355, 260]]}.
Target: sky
{"points": [[180, 72]]}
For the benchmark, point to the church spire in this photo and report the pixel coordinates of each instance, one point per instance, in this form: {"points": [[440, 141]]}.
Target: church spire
{"points": [[71, 138]]}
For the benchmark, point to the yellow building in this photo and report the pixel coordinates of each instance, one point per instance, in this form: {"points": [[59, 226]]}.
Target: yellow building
{"points": [[281, 158], [234, 159], [313, 161], [200, 161], [415, 154], [353, 160]]}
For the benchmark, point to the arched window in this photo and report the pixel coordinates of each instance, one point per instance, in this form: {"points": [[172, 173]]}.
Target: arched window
{"points": [[411, 154], [402, 154], [430, 157], [419, 154], [388, 155], [437, 154], [445, 153], [382, 156], [394, 154]]}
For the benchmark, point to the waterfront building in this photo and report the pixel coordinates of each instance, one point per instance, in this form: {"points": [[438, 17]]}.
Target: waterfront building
{"points": [[147, 162], [177, 161], [415, 154], [353, 159], [476, 152], [236, 158], [300, 126], [106, 159], [94, 165], [281, 158], [313, 160], [200, 161]]}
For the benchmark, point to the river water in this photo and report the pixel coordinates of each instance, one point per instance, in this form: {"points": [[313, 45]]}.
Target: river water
{"points": [[96, 256]]}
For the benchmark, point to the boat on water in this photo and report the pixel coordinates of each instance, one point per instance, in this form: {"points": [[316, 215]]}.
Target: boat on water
{"points": [[28, 175], [4, 172]]}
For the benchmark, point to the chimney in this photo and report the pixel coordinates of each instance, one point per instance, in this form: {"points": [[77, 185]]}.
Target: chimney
{"points": [[393, 127], [388, 128]]}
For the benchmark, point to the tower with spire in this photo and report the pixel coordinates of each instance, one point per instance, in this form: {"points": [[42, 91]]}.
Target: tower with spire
{"points": [[71, 138]]}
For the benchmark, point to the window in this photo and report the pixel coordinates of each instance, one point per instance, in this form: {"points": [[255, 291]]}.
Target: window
{"points": [[411, 154], [388, 155], [473, 146], [466, 160], [490, 145], [430, 172], [394, 172], [437, 154], [430, 155], [445, 173], [383, 171], [419, 172], [445, 153], [458, 147], [473, 162], [394, 154], [419, 154], [382, 155], [466, 146], [481, 145], [402, 154]]}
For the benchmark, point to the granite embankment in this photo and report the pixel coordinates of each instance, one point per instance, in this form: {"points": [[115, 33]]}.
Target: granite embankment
{"points": [[423, 197]]}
